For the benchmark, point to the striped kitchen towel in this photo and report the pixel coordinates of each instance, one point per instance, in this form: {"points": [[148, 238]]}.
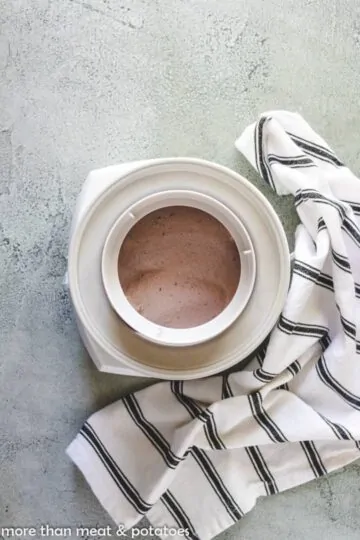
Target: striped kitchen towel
{"points": [[196, 455]]}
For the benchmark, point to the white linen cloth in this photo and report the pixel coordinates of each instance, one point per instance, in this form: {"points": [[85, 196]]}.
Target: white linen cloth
{"points": [[196, 455]]}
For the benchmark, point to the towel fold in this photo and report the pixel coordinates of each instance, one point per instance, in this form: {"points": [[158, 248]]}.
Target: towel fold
{"points": [[196, 455]]}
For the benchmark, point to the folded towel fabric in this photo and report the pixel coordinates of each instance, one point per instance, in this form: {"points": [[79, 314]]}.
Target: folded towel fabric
{"points": [[196, 455]]}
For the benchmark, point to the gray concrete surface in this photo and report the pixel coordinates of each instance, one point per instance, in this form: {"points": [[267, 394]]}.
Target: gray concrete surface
{"points": [[86, 83]]}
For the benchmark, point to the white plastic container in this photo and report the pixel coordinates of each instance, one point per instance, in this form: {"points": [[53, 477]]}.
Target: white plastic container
{"points": [[154, 332], [103, 205]]}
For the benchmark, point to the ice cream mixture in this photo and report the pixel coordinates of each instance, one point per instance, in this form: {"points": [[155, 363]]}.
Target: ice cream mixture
{"points": [[179, 267]]}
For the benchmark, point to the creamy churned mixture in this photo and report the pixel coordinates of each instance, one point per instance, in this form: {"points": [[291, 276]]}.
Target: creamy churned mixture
{"points": [[179, 267]]}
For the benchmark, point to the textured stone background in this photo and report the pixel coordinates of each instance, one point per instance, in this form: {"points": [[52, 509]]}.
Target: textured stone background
{"points": [[89, 83]]}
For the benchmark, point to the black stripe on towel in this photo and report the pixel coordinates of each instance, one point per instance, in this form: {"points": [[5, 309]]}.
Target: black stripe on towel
{"points": [[210, 426], [123, 483], [262, 469], [150, 431], [264, 376], [261, 356], [262, 165], [315, 153], [226, 390], [206, 464], [320, 278], [316, 150], [304, 195], [294, 368], [204, 415], [301, 329], [349, 329], [357, 290], [254, 454], [263, 419], [329, 380], [190, 405], [355, 206], [348, 326], [325, 342], [313, 274], [316, 145], [218, 485], [295, 162], [341, 261], [352, 230], [179, 514], [347, 224], [314, 458], [321, 224], [341, 432]]}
